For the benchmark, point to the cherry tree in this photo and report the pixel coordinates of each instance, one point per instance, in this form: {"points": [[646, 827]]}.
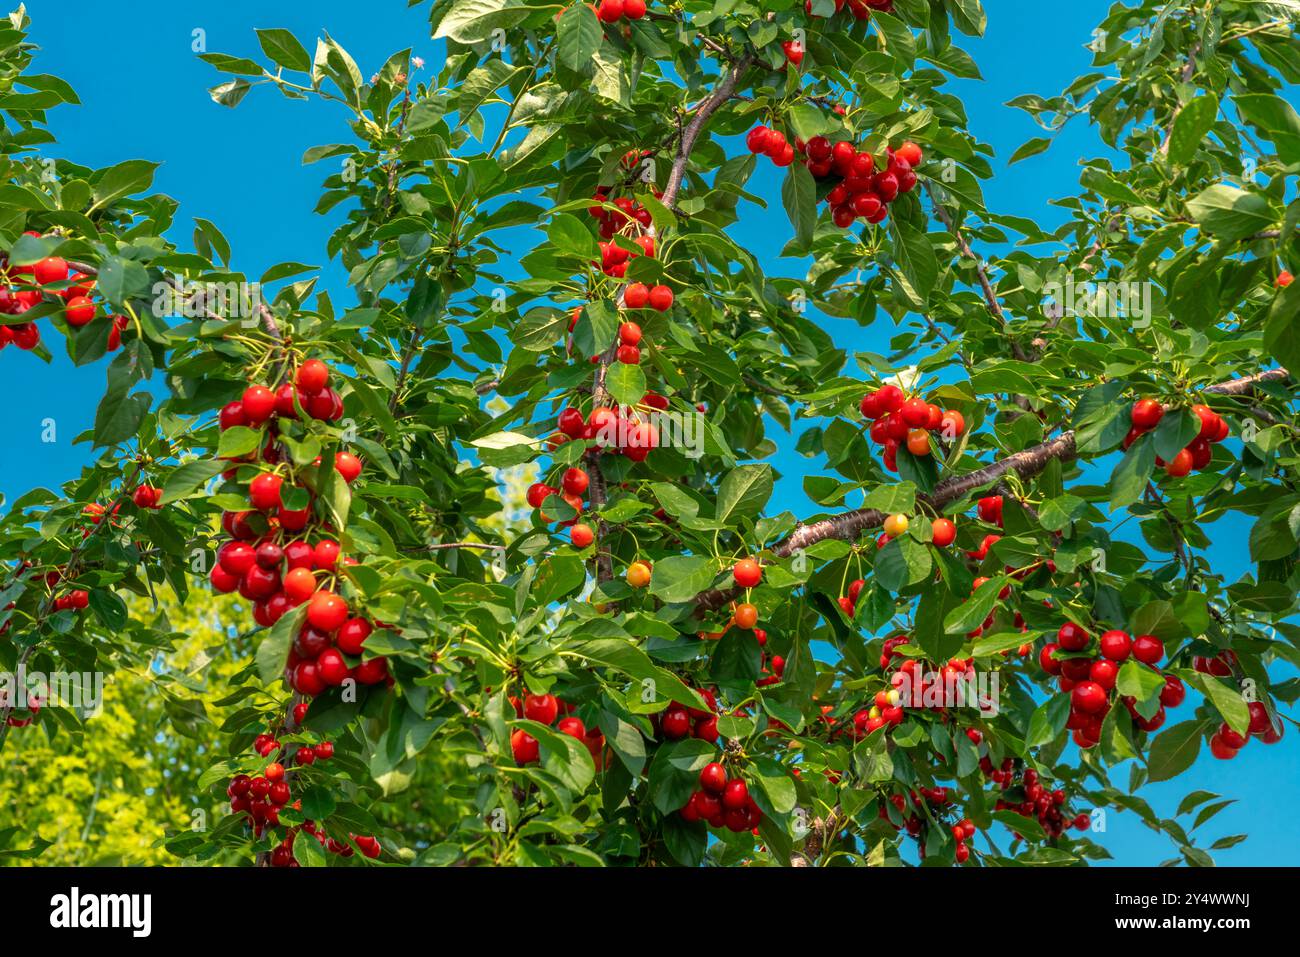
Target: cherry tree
{"points": [[1009, 588]]}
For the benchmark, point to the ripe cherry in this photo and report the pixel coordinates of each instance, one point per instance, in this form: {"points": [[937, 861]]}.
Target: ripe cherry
{"points": [[1221, 749], [676, 723], [636, 296], [1088, 697], [1148, 649], [327, 611], [348, 466], [372, 671], [1146, 414], [1071, 637], [542, 708], [1116, 645], [573, 727], [1180, 464], [735, 795], [1173, 693], [581, 535], [943, 532], [264, 491], [313, 376], [352, 635], [661, 298], [325, 555], [910, 153], [713, 778], [747, 573], [79, 311], [299, 585], [332, 668], [258, 403]]}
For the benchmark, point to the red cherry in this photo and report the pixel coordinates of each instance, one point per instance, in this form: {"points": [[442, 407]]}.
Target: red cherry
{"points": [[1071, 637], [1116, 645], [326, 554], [1146, 414], [575, 481], [747, 573], [542, 708], [79, 311], [735, 795], [347, 465], [259, 404], [332, 668], [307, 679], [661, 298], [573, 727], [264, 491], [236, 557], [943, 532], [327, 611], [299, 555], [50, 269], [313, 376], [1180, 464], [1259, 720], [352, 635], [1221, 749], [1088, 697], [372, 672], [1148, 649], [1104, 673], [676, 723], [299, 585], [713, 778], [1173, 693]]}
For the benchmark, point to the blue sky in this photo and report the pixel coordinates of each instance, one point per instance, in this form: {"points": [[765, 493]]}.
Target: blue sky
{"points": [[241, 169]]}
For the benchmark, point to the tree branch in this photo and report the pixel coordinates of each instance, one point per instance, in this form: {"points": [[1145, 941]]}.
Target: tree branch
{"points": [[850, 525], [721, 93]]}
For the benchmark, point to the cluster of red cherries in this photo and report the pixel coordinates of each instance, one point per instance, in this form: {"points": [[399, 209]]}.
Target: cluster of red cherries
{"points": [[860, 9], [261, 797], [1146, 415], [611, 11], [269, 560], [1089, 676], [1038, 802], [1225, 742], [678, 721], [862, 190], [545, 709], [722, 802], [50, 276], [899, 422]]}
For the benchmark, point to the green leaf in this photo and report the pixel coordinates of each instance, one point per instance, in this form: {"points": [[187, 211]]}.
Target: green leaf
{"points": [[579, 36], [1229, 213], [1048, 721], [1193, 122], [189, 477], [1174, 751], [799, 194], [1031, 147], [283, 47], [626, 383], [1129, 480], [680, 578], [744, 492]]}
